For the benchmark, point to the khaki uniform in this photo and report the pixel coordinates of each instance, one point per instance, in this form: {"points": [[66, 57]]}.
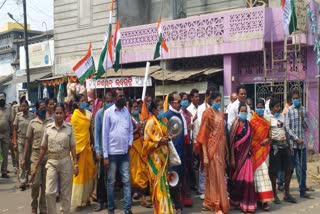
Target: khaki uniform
{"points": [[59, 142], [21, 123], [34, 133], [14, 111], [12, 151], [5, 121]]}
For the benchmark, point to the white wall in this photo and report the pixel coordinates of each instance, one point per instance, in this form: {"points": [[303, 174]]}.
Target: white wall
{"points": [[10, 90]]}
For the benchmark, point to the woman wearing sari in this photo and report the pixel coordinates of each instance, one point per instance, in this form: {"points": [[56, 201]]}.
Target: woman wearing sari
{"points": [[83, 184], [242, 192], [260, 148], [156, 153], [138, 167], [211, 145]]}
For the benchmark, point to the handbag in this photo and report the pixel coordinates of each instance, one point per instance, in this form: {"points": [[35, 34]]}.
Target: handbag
{"points": [[174, 159]]}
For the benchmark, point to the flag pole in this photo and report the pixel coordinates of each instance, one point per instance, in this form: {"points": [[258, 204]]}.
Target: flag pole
{"points": [[163, 86], [105, 77], [120, 61]]}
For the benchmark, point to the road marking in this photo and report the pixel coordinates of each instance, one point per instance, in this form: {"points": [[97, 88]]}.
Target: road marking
{"points": [[6, 210]]}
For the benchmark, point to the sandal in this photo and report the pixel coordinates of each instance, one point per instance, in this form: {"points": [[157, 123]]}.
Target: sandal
{"points": [[94, 197], [306, 196], [205, 208], [310, 189], [276, 199], [265, 207], [146, 204], [289, 198]]}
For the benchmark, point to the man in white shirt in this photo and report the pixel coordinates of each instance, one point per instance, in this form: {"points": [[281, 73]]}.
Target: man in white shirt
{"points": [[233, 98], [193, 109], [233, 111], [266, 108]]}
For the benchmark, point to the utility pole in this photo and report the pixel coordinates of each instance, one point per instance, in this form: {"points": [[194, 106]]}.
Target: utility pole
{"points": [[26, 43]]}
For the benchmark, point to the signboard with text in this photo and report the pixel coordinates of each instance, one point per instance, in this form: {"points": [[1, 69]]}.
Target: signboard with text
{"points": [[40, 55], [116, 82]]}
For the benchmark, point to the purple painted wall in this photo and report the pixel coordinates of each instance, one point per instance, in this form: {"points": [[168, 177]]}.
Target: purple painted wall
{"points": [[312, 102], [250, 70]]}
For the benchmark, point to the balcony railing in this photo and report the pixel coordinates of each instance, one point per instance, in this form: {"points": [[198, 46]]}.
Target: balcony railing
{"points": [[218, 33]]}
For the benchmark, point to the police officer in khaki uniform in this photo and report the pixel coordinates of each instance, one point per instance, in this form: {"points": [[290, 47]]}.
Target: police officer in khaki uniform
{"points": [[16, 107], [20, 126], [5, 124], [33, 140], [58, 140]]}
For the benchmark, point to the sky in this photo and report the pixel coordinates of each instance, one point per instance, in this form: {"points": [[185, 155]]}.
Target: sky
{"points": [[38, 11]]}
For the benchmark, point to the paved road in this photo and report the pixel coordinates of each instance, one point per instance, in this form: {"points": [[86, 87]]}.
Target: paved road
{"points": [[14, 201]]}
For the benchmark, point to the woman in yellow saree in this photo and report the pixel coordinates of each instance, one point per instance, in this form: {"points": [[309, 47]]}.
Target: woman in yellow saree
{"points": [[138, 165], [156, 153], [83, 184]]}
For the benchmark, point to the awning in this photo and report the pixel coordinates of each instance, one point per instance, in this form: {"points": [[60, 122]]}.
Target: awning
{"points": [[138, 72], [5, 79], [33, 77], [182, 74], [185, 87]]}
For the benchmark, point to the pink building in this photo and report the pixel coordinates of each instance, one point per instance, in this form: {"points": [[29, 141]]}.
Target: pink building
{"points": [[239, 36], [223, 41]]}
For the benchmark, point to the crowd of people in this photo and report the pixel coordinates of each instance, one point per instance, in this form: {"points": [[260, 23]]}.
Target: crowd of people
{"points": [[81, 150]]}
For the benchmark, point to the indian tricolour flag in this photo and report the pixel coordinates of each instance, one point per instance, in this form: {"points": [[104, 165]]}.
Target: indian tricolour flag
{"points": [[161, 44], [106, 56], [117, 43], [85, 67], [289, 16]]}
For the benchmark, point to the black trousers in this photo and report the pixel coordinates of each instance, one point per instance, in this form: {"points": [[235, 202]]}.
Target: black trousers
{"points": [[101, 185], [175, 193]]}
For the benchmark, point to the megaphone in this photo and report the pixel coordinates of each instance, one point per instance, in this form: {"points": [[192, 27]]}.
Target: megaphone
{"points": [[173, 178]]}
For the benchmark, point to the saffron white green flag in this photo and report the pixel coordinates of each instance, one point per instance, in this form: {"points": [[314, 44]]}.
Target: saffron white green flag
{"points": [[289, 16], [85, 67], [106, 56], [117, 43], [161, 44]]}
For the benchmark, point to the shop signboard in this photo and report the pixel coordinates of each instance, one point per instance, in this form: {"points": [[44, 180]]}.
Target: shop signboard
{"points": [[116, 82]]}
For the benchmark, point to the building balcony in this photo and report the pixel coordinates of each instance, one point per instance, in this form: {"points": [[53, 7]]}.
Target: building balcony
{"points": [[212, 34], [228, 32]]}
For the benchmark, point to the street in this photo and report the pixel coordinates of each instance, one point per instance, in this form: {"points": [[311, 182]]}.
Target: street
{"points": [[14, 201]]}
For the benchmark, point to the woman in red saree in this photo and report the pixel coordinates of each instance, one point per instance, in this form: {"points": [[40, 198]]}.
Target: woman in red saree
{"points": [[211, 145], [242, 191], [260, 148]]}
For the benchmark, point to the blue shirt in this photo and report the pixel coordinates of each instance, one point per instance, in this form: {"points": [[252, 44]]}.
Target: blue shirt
{"points": [[117, 134], [178, 143], [98, 131]]}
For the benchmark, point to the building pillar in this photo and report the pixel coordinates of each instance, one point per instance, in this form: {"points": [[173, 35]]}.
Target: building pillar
{"points": [[312, 101], [230, 66]]}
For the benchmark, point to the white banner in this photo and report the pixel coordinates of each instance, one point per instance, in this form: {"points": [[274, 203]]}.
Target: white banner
{"points": [[40, 55], [116, 82]]}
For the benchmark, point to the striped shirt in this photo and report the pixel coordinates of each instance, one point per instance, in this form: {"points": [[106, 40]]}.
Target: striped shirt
{"points": [[296, 125]]}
